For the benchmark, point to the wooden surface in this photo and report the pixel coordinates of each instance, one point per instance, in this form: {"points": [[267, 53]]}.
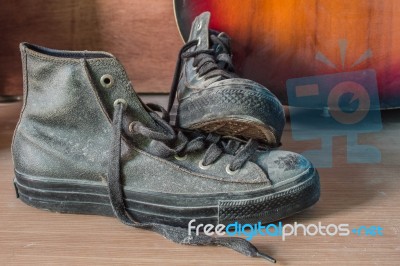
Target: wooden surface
{"points": [[142, 34], [354, 194]]}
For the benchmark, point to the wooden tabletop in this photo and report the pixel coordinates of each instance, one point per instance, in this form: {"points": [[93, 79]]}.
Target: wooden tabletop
{"points": [[354, 194]]}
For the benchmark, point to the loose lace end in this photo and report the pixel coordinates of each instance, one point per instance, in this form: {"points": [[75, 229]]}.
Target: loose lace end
{"points": [[266, 257], [175, 234]]}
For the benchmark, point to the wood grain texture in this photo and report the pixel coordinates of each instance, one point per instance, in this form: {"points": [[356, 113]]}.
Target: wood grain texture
{"points": [[350, 193], [141, 34], [277, 40]]}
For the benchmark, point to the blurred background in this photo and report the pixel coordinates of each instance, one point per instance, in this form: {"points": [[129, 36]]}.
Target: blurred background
{"points": [[142, 34]]}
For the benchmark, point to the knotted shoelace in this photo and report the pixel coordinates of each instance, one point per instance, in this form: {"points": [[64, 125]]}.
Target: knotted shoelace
{"points": [[160, 144]]}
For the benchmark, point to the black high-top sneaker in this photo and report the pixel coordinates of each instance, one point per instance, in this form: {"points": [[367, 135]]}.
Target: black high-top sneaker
{"points": [[85, 143], [212, 98]]}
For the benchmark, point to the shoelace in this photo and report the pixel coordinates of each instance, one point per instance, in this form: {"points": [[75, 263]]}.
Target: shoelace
{"points": [[215, 146], [175, 234], [209, 62]]}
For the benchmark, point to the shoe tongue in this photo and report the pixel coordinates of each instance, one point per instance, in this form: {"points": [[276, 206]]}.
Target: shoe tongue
{"points": [[199, 30]]}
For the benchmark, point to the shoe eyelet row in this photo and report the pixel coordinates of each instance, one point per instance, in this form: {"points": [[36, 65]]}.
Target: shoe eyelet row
{"points": [[107, 81], [180, 158], [227, 168], [229, 171]]}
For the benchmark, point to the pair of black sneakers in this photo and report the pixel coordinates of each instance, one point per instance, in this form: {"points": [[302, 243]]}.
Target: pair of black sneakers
{"points": [[86, 143]]}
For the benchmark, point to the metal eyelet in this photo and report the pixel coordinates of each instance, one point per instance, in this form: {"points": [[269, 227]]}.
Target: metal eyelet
{"points": [[120, 101], [131, 127], [202, 166], [107, 81], [180, 158], [199, 25], [229, 171], [198, 41]]}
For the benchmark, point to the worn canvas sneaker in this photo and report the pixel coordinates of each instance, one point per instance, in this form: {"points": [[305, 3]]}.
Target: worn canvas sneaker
{"points": [[212, 98], [85, 143]]}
